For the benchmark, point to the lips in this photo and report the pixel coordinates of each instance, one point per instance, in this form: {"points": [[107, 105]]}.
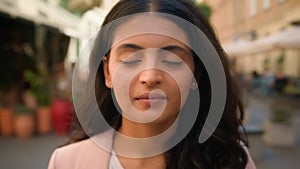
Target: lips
{"points": [[150, 98]]}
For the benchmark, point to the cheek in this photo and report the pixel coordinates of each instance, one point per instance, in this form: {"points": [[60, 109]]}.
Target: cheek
{"points": [[122, 84], [121, 91], [183, 87], [176, 94], [112, 70]]}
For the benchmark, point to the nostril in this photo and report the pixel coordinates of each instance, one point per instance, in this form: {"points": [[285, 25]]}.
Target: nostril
{"points": [[150, 83], [150, 77]]}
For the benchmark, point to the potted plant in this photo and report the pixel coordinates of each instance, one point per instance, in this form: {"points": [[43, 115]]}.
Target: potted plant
{"points": [[62, 115], [23, 121], [8, 96], [6, 121], [62, 107], [6, 113], [279, 129], [44, 119], [40, 88]]}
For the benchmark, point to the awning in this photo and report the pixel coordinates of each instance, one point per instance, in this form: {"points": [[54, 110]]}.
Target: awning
{"points": [[41, 12], [288, 38], [240, 47]]}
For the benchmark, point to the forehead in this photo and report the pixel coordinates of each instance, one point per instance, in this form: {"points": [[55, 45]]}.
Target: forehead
{"points": [[145, 41], [145, 25]]}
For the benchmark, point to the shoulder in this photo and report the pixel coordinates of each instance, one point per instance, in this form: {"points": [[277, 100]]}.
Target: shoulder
{"points": [[73, 150], [250, 164], [83, 154]]}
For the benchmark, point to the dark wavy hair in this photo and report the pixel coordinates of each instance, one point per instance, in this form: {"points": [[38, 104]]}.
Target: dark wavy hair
{"points": [[223, 149]]}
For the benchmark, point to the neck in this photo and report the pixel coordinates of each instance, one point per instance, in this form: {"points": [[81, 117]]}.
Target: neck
{"points": [[141, 130], [138, 130], [140, 140]]}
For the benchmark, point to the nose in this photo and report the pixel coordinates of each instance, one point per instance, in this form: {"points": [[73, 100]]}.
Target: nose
{"points": [[151, 77]]}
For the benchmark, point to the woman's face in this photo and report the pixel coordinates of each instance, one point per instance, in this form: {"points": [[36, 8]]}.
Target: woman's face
{"points": [[150, 74]]}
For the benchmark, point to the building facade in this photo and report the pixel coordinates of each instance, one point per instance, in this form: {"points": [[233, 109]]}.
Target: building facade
{"points": [[236, 21]]}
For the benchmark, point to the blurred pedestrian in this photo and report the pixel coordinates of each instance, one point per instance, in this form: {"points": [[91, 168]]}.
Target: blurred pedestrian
{"points": [[280, 82], [268, 80]]}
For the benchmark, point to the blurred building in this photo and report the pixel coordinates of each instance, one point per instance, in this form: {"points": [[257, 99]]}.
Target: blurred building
{"points": [[92, 19], [250, 31], [90, 23]]}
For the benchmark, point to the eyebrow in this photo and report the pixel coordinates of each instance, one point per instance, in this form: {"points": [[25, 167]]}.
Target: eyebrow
{"points": [[174, 48], [168, 48], [129, 46]]}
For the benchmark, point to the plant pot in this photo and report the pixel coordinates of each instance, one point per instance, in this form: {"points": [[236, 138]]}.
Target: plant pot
{"points": [[6, 117], [279, 134], [62, 116], [44, 120], [24, 126]]}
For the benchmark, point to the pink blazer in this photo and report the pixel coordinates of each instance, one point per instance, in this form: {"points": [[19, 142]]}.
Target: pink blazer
{"points": [[82, 155], [88, 155], [85, 154]]}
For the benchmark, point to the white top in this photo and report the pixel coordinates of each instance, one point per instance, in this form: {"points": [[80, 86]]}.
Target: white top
{"points": [[114, 162]]}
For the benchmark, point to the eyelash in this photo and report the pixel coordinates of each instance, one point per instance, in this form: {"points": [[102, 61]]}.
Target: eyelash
{"points": [[172, 62], [164, 61], [130, 62]]}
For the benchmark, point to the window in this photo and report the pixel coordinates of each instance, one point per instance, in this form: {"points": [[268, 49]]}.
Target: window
{"points": [[266, 4], [253, 7]]}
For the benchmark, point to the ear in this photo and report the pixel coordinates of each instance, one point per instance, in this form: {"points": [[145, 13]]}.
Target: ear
{"points": [[107, 74]]}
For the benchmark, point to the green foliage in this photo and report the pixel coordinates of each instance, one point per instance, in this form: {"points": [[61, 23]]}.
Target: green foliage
{"points": [[64, 4], [266, 63], [281, 110], [22, 109], [204, 8], [280, 62], [281, 115], [39, 86]]}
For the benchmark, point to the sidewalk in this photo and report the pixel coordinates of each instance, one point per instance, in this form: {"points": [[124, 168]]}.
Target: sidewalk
{"points": [[265, 156], [33, 153]]}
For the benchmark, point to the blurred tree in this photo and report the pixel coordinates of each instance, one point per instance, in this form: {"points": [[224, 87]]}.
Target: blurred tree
{"points": [[204, 7], [64, 4], [79, 7]]}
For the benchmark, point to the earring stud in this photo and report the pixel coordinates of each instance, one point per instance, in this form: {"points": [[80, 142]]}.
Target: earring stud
{"points": [[194, 85]]}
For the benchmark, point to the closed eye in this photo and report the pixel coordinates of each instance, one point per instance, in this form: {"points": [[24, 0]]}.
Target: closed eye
{"points": [[130, 62], [172, 62]]}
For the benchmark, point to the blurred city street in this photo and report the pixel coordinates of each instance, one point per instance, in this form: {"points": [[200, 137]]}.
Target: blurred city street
{"points": [[35, 152], [42, 41], [266, 156]]}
